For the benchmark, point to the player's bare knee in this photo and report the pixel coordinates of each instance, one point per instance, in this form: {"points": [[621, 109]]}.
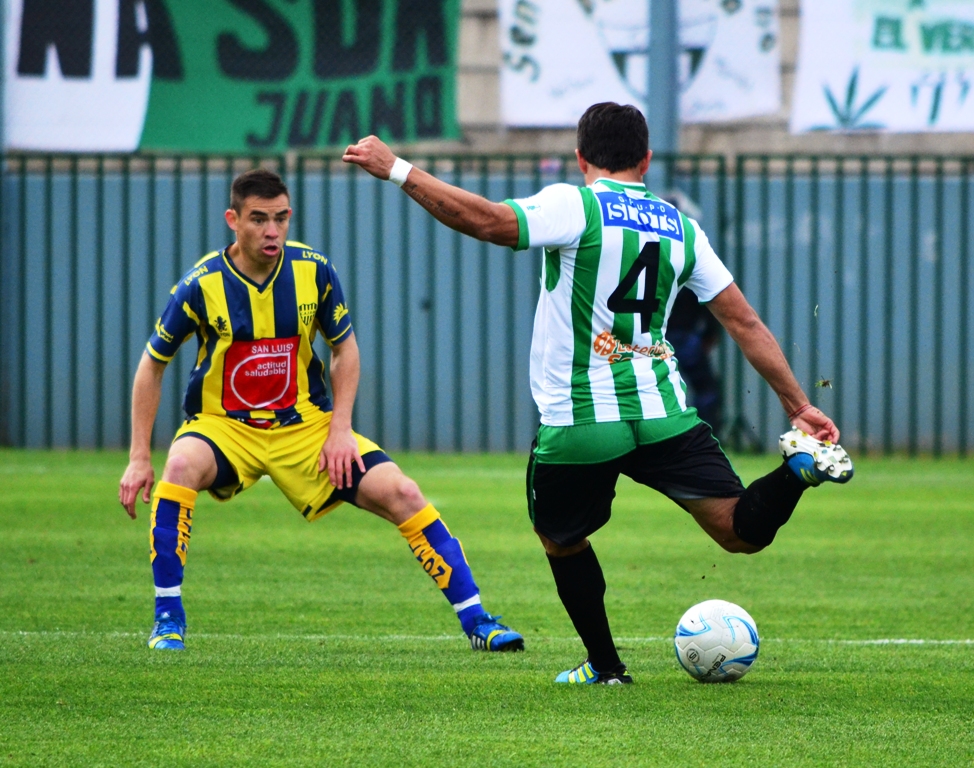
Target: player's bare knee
{"points": [[179, 470], [388, 493], [408, 493], [723, 533], [184, 469], [728, 539]]}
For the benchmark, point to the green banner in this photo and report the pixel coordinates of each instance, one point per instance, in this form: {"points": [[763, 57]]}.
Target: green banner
{"points": [[276, 75]]}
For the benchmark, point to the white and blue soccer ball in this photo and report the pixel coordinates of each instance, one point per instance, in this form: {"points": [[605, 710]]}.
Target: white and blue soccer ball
{"points": [[716, 641]]}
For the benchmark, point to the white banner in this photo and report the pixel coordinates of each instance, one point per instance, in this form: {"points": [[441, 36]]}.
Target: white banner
{"points": [[730, 61], [69, 97], [893, 65], [561, 56]]}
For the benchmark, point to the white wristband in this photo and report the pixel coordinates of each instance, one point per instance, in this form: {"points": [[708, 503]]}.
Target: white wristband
{"points": [[400, 170]]}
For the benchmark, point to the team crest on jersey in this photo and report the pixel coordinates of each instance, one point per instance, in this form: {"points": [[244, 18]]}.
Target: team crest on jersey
{"points": [[307, 312], [261, 375], [620, 210]]}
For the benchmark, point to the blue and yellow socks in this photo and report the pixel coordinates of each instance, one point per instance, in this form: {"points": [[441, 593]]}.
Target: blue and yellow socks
{"points": [[169, 531], [440, 554], [442, 558]]}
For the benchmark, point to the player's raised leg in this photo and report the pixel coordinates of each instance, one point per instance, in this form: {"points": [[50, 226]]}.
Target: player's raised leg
{"points": [[387, 492], [750, 523], [191, 466]]}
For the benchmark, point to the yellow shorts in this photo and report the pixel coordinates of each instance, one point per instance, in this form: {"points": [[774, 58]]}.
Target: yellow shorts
{"points": [[288, 454]]}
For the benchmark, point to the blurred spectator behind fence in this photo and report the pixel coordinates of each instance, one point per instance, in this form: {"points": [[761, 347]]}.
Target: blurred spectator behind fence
{"points": [[694, 332]]}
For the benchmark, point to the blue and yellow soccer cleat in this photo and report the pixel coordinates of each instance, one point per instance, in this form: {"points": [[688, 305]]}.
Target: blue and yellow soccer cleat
{"points": [[815, 461], [490, 635], [167, 634], [585, 674]]}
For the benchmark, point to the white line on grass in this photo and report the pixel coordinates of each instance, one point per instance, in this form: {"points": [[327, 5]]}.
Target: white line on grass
{"points": [[440, 638]]}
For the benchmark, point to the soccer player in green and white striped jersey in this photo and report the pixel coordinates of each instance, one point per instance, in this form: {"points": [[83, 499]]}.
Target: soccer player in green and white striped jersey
{"points": [[603, 375]]}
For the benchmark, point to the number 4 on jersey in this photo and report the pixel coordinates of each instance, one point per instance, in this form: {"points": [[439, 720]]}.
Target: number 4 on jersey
{"points": [[645, 307]]}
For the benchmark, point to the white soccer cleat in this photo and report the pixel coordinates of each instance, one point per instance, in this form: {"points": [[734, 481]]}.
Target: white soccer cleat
{"points": [[815, 461]]}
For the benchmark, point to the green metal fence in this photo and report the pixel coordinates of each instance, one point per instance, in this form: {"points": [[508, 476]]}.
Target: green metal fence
{"points": [[860, 265]]}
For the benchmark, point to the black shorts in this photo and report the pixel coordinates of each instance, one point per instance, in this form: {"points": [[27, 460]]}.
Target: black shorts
{"points": [[567, 502]]}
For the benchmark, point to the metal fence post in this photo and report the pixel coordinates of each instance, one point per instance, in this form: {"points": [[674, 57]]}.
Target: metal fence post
{"points": [[889, 202], [965, 277], [838, 343], [864, 315], [914, 293], [738, 424]]}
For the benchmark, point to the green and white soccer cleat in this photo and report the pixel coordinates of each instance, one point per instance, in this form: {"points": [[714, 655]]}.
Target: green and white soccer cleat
{"points": [[585, 674], [815, 461]]}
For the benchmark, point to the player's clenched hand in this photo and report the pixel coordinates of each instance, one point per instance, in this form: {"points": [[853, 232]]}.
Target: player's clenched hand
{"points": [[817, 424], [338, 454], [373, 155], [139, 475]]}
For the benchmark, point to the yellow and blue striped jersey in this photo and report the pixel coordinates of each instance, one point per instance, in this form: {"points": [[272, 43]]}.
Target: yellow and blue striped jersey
{"points": [[255, 361]]}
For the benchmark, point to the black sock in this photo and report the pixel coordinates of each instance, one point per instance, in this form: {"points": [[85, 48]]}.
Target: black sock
{"points": [[581, 587], [766, 505]]}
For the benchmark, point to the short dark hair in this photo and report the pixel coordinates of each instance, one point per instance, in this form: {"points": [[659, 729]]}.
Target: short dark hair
{"points": [[612, 136], [258, 182]]}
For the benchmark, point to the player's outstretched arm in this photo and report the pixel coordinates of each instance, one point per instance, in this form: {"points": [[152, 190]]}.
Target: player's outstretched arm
{"points": [[340, 450], [139, 475], [763, 352], [457, 208]]}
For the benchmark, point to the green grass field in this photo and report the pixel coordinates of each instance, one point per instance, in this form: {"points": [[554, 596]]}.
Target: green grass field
{"points": [[325, 644]]}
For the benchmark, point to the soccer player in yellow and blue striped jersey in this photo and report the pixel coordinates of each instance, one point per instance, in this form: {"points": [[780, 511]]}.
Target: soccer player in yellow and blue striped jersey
{"points": [[255, 361], [256, 405]]}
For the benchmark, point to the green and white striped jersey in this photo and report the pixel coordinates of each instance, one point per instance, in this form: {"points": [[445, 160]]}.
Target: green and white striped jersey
{"points": [[615, 257]]}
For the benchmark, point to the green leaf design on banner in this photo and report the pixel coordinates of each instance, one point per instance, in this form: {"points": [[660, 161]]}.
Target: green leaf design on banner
{"points": [[848, 115]]}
